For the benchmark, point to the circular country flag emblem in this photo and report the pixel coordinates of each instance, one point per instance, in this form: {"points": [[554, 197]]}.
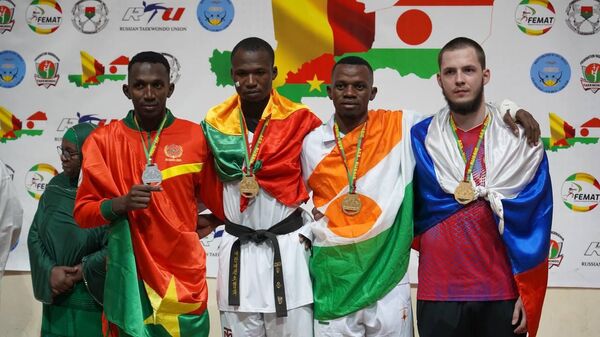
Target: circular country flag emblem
{"points": [[37, 178]]}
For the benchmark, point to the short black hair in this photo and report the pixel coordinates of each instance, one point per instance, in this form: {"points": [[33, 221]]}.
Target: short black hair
{"points": [[353, 60], [149, 57], [461, 43], [254, 44]]}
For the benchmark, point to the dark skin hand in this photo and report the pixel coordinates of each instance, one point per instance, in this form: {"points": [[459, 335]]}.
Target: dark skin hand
{"points": [[530, 126], [62, 278], [138, 198], [206, 224]]}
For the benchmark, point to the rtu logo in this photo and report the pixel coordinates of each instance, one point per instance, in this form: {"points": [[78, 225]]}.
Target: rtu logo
{"points": [[581, 192], [555, 255], [91, 118], [593, 249], [12, 69], [7, 11], [151, 10]]}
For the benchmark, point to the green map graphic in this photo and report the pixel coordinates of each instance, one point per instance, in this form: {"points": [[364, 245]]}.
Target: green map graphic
{"points": [[76, 79], [570, 141], [420, 62]]}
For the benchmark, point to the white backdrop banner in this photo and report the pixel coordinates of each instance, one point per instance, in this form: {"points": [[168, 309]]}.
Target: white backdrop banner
{"points": [[64, 62]]}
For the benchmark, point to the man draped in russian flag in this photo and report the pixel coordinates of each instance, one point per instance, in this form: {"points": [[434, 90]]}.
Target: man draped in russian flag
{"points": [[255, 136], [359, 166], [483, 211]]}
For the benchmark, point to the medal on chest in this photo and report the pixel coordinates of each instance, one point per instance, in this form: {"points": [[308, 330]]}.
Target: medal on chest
{"points": [[249, 186], [151, 174], [351, 204], [465, 191]]}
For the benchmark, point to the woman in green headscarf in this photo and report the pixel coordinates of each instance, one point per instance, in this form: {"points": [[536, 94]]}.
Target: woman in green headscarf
{"points": [[67, 262]]}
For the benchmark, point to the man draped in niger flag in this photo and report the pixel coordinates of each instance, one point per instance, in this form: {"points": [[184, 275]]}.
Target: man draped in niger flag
{"points": [[263, 283], [359, 166], [483, 211], [142, 175]]}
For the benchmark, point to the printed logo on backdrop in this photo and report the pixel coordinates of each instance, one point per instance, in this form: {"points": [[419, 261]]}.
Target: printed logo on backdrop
{"points": [[153, 16], [583, 16], [592, 252], [175, 67], [535, 17], [37, 178], [94, 73], [12, 128], [581, 192], [12, 69], [7, 12], [550, 73], [564, 136], [590, 69], [215, 15], [66, 123], [90, 16], [555, 255], [46, 66], [44, 16]]}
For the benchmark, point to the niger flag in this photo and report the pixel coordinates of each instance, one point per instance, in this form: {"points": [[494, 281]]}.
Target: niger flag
{"points": [[431, 23]]}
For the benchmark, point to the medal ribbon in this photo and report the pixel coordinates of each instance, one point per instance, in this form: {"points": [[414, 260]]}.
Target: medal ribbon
{"points": [[251, 158], [469, 164], [350, 172], [149, 153]]}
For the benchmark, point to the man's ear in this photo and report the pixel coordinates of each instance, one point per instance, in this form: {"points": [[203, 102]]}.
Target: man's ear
{"points": [[329, 92], [486, 76], [126, 91], [171, 89], [373, 93], [274, 72]]}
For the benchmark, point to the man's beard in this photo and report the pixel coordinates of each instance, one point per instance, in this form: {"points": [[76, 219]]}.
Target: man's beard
{"points": [[466, 108]]}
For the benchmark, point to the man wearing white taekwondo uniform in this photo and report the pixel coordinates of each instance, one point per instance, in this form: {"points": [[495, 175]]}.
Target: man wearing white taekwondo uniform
{"points": [[359, 166], [263, 284]]}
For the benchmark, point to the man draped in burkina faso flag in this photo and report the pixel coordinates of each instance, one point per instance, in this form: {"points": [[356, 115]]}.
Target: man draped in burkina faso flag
{"points": [[143, 176], [483, 210]]}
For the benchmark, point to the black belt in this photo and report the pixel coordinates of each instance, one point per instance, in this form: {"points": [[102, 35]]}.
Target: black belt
{"points": [[244, 234]]}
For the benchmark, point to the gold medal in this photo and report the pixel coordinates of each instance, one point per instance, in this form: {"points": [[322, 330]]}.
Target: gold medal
{"points": [[464, 193], [351, 204], [249, 187]]}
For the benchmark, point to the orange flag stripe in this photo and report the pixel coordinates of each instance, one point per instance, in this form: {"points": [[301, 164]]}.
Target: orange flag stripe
{"points": [[384, 131]]}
